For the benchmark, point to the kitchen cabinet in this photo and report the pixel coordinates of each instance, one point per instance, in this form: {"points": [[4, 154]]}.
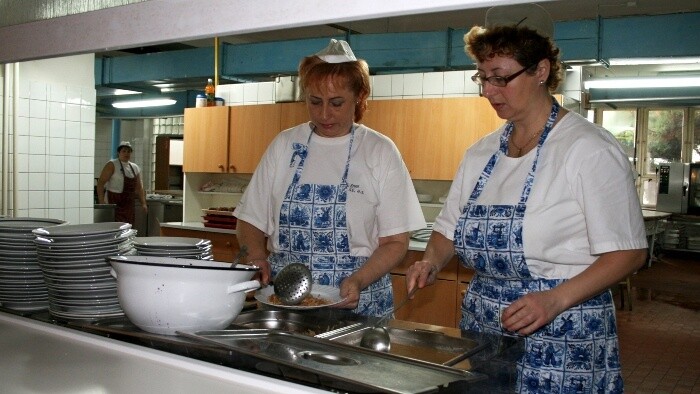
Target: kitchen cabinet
{"points": [[206, 139], [224, 245], [439, 304], [432, 134], [168, 176], [228, 139], [293, 114]]}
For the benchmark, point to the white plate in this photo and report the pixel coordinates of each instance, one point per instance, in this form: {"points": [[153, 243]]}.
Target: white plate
{"points": [[78, 231], [26, 225], [332, 294], [171, 242]]}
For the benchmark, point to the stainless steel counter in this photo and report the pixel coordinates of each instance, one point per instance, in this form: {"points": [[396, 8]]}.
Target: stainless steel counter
{"points": [[45, 358]]}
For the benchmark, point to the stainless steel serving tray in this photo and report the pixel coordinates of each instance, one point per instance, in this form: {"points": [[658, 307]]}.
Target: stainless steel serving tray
{"points": [[373, 370], [425, 345]]}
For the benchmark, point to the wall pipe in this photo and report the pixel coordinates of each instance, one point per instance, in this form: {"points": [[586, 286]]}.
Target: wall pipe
{"points": [[15, 122], [5, 138], [116, 136]]}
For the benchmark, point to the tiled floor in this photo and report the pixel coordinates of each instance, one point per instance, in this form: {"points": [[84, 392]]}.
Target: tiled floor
{"points": [[660, 336]]}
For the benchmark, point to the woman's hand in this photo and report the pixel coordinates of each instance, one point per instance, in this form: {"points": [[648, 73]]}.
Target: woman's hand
{"points": [[422, 273], [532, 311], [265, 270], [350, 291]]}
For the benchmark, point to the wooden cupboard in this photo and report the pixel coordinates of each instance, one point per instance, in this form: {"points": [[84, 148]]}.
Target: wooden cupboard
{"points": [[229, 139], [438, 304], [432, 134], [206, 139]]}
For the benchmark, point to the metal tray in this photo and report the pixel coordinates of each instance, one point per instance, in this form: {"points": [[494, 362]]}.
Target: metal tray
{"points": [[425, 345], [373, 370], [299, 322]]}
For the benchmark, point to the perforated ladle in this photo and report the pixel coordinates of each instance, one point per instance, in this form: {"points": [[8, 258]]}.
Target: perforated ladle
{"points": [[293, 283]]}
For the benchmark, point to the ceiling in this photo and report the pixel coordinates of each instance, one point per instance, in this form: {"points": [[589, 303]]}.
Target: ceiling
{"points": [[560, 10]]}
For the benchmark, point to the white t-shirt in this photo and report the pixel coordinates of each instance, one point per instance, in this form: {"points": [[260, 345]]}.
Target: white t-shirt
{"points": [[115, 184], [381, 198], [583, 200]]}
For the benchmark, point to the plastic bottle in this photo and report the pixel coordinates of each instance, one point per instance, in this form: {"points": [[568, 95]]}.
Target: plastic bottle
{"points": [[209, 92]]}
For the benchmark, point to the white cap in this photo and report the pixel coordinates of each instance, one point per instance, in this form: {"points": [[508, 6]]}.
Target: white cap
{"points": [[532, 16], [124, 144], [337, 51]]}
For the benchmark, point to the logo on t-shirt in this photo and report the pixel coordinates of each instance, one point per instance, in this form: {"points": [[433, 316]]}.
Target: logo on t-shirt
{"points": [[352, 188]]}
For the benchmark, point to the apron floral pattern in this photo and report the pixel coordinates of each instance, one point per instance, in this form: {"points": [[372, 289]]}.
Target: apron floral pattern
{"points": [[313, 231], [575, 353]]}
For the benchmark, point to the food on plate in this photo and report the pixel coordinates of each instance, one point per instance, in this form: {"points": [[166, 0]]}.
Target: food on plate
{"points": [[310, 300]]}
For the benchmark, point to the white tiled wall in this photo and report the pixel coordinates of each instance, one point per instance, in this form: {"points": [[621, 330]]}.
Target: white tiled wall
{"points": [[55, 142], [394, 86]]}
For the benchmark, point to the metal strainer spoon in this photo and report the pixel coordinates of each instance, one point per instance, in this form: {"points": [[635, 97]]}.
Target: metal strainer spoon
{"points": [[293, 283], [377, 337]]}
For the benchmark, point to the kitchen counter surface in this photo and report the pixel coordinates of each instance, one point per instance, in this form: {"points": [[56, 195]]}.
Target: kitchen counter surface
{"points": [[45, 358]]}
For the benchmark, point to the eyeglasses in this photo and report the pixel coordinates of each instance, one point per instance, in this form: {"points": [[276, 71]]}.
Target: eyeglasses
{"points": [[496, 80]]}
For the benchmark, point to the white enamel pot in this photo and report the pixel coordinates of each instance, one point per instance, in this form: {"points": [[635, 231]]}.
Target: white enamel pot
{"points": [[163, 295]]}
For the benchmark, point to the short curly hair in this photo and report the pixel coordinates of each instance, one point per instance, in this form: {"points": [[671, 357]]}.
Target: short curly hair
{"points": [[523, 44], [314, 71]]}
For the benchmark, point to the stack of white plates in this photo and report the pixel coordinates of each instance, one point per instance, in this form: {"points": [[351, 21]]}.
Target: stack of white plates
{"points": [[423, 234], [176, 247], [22, 284], [75, 269]]}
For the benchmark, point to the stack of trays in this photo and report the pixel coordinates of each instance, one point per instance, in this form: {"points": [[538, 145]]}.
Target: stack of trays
{"points": [[423, 234], [176, 247], [22, 284], [75, 269], [221, 217]]}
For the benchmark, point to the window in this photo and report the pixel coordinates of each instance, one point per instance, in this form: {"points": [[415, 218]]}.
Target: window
{"points": [[664, 133], [623, 125]]}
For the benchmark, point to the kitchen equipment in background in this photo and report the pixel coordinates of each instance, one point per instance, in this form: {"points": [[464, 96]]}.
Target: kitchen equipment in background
{"points": [[163, 295], [423, 235], [103, 213], [168, 167], [219, 217], [162, 210], [679, 188]]}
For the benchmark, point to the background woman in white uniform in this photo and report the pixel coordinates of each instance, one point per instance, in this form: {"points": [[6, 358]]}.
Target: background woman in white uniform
{"points": [[331, 193], [546, 213], [122, 180]]}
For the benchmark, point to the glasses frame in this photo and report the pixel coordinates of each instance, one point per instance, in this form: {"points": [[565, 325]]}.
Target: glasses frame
{"points": [[479, 80]]}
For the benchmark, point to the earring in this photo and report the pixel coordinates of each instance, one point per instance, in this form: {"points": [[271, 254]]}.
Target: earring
{"points": [[541, 83]]}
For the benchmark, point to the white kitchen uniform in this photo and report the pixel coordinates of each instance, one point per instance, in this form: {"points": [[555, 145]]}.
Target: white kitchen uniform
{"points": [[115, 184], [578, 207], [381, 199]]}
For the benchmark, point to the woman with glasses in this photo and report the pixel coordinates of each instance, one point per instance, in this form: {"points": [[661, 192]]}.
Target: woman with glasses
{"points": [[544, 210], [331, 193]]}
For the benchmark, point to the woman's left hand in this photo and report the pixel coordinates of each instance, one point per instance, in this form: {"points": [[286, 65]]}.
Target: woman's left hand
{"points": [[530, 312]]}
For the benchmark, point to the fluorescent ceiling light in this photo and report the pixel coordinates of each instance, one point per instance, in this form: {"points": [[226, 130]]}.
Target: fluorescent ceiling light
{"points": [[123, 92], [144, 103], [631, 83], [654, 60]]}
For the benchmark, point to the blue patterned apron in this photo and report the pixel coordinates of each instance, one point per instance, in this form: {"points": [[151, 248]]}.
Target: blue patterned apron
{"points": [[313, 230], [575, 353]]}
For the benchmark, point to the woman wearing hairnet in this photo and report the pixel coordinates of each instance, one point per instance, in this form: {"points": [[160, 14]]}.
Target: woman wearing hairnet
{"points": [[331, 193]]}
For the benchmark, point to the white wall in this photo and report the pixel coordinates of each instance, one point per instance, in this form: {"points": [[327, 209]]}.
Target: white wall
{"points": [[55, 139]]}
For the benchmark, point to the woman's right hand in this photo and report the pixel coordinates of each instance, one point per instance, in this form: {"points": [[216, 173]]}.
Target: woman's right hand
{"points": [[265, 270], [420, 274]]}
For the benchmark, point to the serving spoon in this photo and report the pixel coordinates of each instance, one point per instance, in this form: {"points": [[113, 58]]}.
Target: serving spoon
{"points": [[377, 336]]}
